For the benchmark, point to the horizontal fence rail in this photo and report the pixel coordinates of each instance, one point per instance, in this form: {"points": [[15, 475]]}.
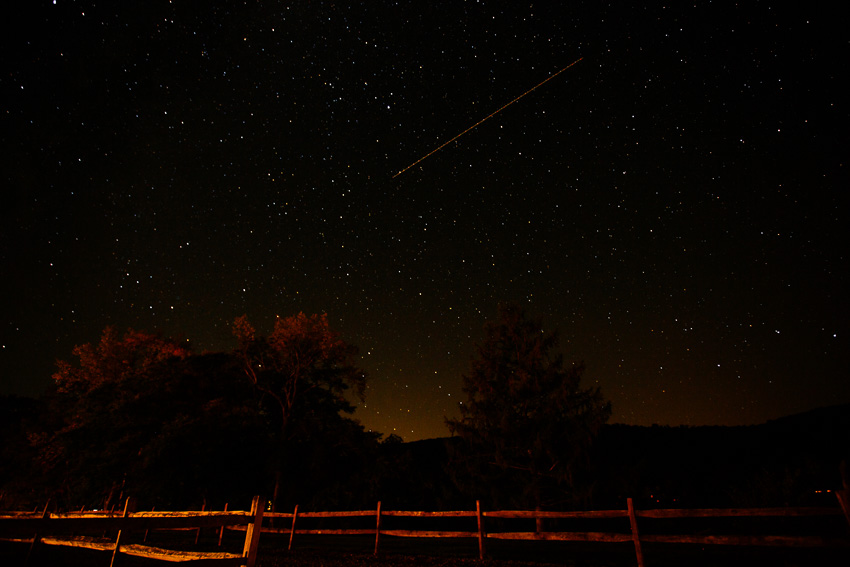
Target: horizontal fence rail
{"points": [[41, 528], [53, 529], [629, 533]]}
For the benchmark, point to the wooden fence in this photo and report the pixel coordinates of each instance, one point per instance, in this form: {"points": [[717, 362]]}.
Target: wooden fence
{"points": [[40, 529], [628, 535], [53, 529]]}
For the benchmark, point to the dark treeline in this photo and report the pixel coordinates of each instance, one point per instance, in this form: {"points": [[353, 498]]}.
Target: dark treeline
{"points": [[793, 461], [140, 415], [798, 460]]}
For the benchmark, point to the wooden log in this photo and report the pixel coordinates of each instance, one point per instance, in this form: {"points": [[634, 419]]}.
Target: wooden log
{"points": [[196, 557]]}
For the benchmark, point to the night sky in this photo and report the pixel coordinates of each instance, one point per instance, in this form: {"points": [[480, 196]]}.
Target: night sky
{"points": [[671, 203]]}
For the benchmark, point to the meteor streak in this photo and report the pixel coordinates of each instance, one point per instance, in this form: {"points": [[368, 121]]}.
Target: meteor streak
{"points": [[486, 118]]}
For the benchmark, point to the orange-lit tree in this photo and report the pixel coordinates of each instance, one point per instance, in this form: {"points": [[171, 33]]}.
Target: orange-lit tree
{"points": [[104, 414], [527, 422], [302, 359]]}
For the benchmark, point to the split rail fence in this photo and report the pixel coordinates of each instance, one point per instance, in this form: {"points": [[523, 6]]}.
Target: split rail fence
{"points": [[41, 529], [54, 529], [632, 536]]}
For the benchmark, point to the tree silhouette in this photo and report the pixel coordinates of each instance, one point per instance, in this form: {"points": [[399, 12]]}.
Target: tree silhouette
{"points": [[109, 405], [527, 423], [301, 359]]}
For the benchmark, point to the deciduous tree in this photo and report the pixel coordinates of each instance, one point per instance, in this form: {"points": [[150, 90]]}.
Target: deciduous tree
{"points": [[301, 359], [104, 401]]}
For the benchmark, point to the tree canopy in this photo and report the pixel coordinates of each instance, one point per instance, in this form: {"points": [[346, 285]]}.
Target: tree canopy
{"points": [[527, 420], [300, 355], [301, 362], [142, 414]]}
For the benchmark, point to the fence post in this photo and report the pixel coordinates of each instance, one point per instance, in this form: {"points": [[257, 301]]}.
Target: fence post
{"points": [[221, 530], [378, 528], [480, 529], [635, 534], [37, 535], [252, 534], [145, 539], [118, 537], [844, 501], [198, 531], [292, 528]]}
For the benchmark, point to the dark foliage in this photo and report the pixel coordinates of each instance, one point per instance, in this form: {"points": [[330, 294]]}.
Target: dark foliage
{"points": [[141, 415], [528, 425]]}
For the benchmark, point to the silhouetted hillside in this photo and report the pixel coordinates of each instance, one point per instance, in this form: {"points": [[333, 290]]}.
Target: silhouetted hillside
{"points": [[794, 460]]}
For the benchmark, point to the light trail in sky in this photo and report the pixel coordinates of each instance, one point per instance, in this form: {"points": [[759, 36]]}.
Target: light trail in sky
{"points": [[432, 152]]}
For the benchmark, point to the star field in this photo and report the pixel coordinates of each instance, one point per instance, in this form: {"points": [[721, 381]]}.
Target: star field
{"points": [[671, 203]]}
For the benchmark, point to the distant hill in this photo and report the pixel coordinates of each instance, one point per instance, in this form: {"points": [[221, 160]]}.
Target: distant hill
{"points": [[793, 460], [786, 461]]}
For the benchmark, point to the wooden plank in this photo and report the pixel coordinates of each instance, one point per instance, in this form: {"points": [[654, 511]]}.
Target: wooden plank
{"points": [[414, 514], [17, 539], [137, 522], [370, 531], [424, 533], [533, 514], [564, 536], [278, 514], [351, 514], [787, 541], [736, 512]]}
